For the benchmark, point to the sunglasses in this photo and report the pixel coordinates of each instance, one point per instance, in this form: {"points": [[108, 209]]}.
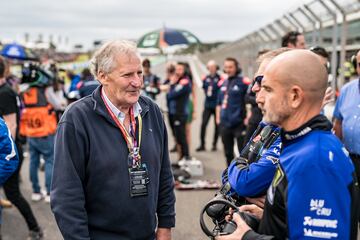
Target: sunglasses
{"points": [[258, 80]]}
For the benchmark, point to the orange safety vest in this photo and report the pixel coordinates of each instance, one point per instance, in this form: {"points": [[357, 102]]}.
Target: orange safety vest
{"points": [[38, 119]]}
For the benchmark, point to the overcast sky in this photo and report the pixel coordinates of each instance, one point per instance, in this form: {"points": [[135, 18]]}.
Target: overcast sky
{"points": [[84, 21]]}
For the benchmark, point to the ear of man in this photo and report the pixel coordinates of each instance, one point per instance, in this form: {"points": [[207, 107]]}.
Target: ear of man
{"points": [[103, 78], [296, 96]]}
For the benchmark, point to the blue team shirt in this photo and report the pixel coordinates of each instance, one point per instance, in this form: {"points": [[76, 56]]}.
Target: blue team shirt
{"points": [[211, 88], [178, 97], [318, 173], [9, 160], [255, 179], [347, 109], [232, 113]]}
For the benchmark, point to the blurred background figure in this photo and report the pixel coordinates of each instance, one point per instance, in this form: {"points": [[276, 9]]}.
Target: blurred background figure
{"points": [[151, 81], [230, 109], [347, 117], [178, 100], [293, 39], [87, 83], [211, 87], [38, 123]]}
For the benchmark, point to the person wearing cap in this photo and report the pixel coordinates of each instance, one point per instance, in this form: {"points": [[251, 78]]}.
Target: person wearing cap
{"points": [[112, 175]]}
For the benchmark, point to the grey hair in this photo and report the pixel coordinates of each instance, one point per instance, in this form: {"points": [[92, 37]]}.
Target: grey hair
{"points": [[104, 59]]}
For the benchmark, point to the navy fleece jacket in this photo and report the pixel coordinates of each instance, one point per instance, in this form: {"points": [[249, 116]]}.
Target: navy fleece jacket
{"points": [[90, 195]]}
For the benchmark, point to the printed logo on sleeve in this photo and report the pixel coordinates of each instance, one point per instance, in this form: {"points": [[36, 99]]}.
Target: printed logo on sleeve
{"points": [[317, 206]]}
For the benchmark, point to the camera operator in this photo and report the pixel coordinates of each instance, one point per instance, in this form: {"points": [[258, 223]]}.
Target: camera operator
{"points": [[250, 174], [38, 123], [314, 192]]}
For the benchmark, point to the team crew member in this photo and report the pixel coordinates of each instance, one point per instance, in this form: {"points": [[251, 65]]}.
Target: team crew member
{"points": [[251, 174], [230, 109], [151, 81], [112, 175], [178, 98], [211, 86], [256, 115], [296, 205], [347, 117]]}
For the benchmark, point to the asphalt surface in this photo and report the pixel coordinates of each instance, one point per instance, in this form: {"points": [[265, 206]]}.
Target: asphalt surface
{"points": [[188, 203]]}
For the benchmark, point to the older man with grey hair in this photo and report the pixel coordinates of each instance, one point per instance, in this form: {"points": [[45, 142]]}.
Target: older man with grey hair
{"points": [[112, 177]]}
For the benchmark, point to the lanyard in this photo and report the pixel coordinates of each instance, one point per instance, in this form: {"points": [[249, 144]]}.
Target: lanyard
{"points": [[226, 94], [132, 144]]}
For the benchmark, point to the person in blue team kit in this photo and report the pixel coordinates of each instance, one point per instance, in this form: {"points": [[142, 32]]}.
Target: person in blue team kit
{"points": [[8, 155], [250, 174], [230, 109], [211, 86], [314, 192]]}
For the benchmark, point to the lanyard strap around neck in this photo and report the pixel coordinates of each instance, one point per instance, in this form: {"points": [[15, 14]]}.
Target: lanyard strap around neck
{"points": [[130, 140]]}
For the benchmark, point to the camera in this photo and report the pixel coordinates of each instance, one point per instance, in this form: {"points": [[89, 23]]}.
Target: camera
{"points": [[218, 208], [35, 75]]}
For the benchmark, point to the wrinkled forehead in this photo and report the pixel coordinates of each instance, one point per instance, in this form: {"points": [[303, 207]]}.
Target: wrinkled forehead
{"points": [[130, 58]]}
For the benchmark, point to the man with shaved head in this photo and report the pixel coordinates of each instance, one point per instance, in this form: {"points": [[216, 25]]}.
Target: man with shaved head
{"points": [[314, 191]]}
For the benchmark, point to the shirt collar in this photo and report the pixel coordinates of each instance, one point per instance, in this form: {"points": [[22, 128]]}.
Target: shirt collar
{"points": [[121, 115], [319, 122]]}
